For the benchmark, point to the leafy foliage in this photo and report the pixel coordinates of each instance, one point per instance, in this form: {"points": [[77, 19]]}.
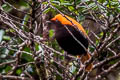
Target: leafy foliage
{"points": [[26, 49]]}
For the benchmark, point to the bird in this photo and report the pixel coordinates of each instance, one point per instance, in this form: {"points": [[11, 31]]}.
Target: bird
{"points": [[72, 37]]}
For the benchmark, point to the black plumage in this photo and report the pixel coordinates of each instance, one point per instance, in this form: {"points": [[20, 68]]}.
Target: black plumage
{"points": [[67, 41]]}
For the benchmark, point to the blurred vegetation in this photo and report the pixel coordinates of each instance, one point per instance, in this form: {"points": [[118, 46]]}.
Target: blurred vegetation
{"points": [[23, 56]]}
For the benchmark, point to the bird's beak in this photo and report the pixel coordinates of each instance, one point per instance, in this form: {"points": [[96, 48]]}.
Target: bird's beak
{"points": [[53, 19]]}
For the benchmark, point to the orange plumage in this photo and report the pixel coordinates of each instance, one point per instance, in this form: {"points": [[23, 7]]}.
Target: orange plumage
{"points": [[64, 21]]}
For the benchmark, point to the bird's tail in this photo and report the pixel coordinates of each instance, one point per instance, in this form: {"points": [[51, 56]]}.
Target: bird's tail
{"points": [[85, 58]]}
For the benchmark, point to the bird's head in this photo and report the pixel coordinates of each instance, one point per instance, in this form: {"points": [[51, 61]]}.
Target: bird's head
{"points": [[59, 18], [57, 21]]}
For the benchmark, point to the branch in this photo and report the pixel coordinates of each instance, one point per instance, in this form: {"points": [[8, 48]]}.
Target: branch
{"points": [[14, 77]]}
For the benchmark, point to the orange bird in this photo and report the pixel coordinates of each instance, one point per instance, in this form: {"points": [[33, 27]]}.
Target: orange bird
{"points": [[71, 37]]}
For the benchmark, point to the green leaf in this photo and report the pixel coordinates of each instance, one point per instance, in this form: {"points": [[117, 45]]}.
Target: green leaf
{"points": [[38, 47], [1, 34], [19, 71], [8, 68], [71, 8], [7, 38], [45, 2], [6, 8], [72, 69], [4, 51], [78, 1], [23, 3], [56, 2], [24, 22], [26, 57], [91, 48], [47, 10], [51, 33], [101, 34], [81, 18], [85, 0], [27, 49], [92, 5], [29, 68], [68, 4], [101, 1], [3, 56], [62, 0]]}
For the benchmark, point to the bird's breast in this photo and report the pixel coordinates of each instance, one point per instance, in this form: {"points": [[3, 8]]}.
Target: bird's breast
{"points": [[67, 41]]}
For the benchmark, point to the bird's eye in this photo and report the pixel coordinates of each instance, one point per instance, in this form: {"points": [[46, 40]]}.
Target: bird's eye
{"points": [[56, 20]]}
